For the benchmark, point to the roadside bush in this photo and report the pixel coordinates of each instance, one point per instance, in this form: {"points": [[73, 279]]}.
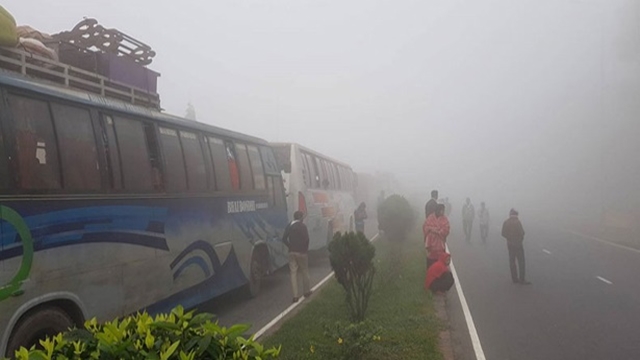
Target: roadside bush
{"points": [[178, 335], [351, 256], [396, 218]]}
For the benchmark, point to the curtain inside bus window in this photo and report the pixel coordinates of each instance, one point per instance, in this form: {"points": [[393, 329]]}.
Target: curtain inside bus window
{"points": [[233, 165], [111, 151], [77, 145], [37, 154]]}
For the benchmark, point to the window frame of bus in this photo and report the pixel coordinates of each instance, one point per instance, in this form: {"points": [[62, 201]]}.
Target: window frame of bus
{"points": [[9, 143]]}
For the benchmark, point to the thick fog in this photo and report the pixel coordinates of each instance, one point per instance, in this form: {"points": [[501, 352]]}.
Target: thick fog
{"points": [[531, 104]]}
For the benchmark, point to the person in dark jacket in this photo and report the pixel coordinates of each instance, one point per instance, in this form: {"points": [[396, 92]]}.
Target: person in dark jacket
{"points": [[431, 205], [296, 238], [513, 231], [360, 215]]}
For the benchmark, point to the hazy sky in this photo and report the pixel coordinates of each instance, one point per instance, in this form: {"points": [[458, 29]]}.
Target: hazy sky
{"points": [[523, 100]]}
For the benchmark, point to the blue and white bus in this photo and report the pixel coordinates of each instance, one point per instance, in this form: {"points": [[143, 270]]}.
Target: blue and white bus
{"points": [[108, 208]]}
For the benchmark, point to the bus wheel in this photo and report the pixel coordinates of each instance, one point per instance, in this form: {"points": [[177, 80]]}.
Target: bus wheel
{"points": [[48, 321], [256, 272]]}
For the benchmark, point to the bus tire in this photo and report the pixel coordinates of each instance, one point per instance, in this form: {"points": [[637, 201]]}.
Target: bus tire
{"points": [[47, 321], [256, 272]]}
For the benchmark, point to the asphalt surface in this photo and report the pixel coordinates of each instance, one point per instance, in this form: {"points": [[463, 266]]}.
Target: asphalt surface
{"points": [[275, 296], [584, 302]]}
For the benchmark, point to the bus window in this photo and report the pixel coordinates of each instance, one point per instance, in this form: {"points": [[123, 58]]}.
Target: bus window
{"points": [[306, 175], [246, 181], [136, 165], [196, 171], [233, 165], [77, 145], [271, 190], [336, 176], [111, 152], [256, 167], [220, 162], [36, 151], [322, 181], [279, 192], [313, 170], [175, 176], [283, 157]]}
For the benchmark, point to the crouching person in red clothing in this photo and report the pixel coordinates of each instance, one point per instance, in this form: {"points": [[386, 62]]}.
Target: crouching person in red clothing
{"points": [[439, 278]]}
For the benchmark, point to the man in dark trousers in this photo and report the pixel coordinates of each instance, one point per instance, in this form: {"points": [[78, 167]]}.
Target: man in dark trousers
{"points": [[296, 238], [514, 233], [431, 205]]}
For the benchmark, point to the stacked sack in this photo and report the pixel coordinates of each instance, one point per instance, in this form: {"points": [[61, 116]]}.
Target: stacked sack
{"points": [[24, 37]]}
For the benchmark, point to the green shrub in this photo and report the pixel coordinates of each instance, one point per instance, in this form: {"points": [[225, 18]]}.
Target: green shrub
{"points": [[351, 256], [178, 335], [396, 217]]}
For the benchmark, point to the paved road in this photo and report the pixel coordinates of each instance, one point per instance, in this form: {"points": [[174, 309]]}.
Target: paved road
{"points": [[568, 312], [275, 296]]}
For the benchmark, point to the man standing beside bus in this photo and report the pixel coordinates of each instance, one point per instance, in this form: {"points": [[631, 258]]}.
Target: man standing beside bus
{"points": [[296, 238]]}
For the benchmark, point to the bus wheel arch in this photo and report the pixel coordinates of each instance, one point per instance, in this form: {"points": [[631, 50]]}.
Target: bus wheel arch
{"points": [[258, 269], [47, 318]]}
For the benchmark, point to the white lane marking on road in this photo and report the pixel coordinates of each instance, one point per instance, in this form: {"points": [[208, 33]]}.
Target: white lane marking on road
{"points": [[604, 280], [547, 251], [286, 311], [604, 241], [473, 333]]}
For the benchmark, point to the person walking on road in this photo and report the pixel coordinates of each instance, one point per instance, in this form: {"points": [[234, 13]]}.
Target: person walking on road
{"points": [[436, 229], [359, 216], [296, 238], [447, 207], [430, 207], [468, 214], [439, 278], [513, 231], [483, 220]]}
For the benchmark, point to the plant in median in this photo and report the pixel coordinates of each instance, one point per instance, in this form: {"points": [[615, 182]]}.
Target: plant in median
{"points": [[347, 341], [351, 256], [396, 217], [179, 335]]}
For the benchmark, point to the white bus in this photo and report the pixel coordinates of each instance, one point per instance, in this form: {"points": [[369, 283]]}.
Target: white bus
{"points": [[322, 188]]}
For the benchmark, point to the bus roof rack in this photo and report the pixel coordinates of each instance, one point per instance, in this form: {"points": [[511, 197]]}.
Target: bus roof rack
{"points": [[41, 68]]}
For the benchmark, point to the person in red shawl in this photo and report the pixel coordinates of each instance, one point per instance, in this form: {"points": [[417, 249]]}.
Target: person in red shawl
{"points": [[439, 277], [435, 229]]}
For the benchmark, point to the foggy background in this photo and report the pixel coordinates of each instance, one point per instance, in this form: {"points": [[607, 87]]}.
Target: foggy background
{"points": [[532, 104]]}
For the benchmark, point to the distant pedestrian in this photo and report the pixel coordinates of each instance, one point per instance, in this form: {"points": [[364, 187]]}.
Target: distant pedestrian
{"points": [[513, 231], [483, 220], [439, 277], [468, 214], [296, 238], [430, 207], [447, 207], [436, 229], [360, 215]]}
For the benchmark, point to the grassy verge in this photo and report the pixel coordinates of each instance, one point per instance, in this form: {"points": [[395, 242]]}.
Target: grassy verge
{"points": [[399, 305]]}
